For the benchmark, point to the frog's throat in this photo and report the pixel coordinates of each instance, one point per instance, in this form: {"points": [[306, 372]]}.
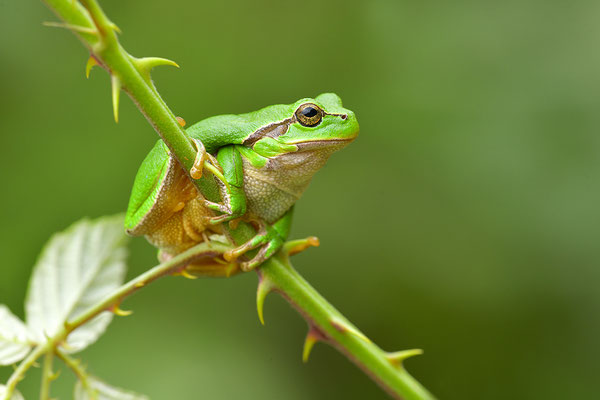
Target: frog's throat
{"points": [[271, 190], [335, 144]]}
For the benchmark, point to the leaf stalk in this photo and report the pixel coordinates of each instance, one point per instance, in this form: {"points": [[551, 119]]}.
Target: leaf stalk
{"points": [[23, 367], [47, 376]]}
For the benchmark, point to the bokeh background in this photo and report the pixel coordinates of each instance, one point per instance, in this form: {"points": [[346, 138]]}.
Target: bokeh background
{"points": [[464, 220]]}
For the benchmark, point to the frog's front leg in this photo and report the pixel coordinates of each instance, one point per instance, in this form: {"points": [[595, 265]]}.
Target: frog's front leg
{"points": [[270, 237], [232, 179]]}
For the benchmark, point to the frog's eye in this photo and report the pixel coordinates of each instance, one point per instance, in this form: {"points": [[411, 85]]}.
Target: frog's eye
{"points": [[309, 114]]}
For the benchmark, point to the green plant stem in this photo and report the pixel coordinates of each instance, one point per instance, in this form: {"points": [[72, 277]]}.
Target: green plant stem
{"points": [[127, 73], [78, 370], [113, 300], [336, 330], [47, 376], [130, 75], [23, 367]]}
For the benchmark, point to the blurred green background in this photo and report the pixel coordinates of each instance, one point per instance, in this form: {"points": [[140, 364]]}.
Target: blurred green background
{"points": [[464, 220]]}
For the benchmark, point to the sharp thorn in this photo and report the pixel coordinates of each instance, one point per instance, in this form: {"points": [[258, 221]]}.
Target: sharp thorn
{"points": [[185, 273], [231, 269], [121, 313], [345, 327], [145, 65], [54, 376], [265, 286], [66, 346], [180, 121], [219, 260], [151, 62], [312, 337], [115, 28], [91, 63], [76, 28], [398, 357], [116, 91]]}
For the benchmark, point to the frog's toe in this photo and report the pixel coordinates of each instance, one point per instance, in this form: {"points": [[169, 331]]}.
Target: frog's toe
{"points": [[219, 219], [264, 254], [296, 246], [201, 156], [251, 244], [269, 242]]}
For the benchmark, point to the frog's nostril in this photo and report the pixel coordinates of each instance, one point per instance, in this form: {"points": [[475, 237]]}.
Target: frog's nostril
{"points": [[343, 116]]}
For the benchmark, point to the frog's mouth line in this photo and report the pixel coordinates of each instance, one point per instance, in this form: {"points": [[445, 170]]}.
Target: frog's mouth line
{"points": [[319, 144]]}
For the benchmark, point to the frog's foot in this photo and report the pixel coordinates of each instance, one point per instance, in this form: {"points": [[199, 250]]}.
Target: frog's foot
{"points": [[217, 207], [270, 240], [203, 161], [227, 214], [296, 246]]}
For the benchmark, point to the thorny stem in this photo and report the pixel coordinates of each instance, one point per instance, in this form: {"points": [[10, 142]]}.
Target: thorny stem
{"points": [[78, 370], [19, 373], [109, 303], [133, 76], [47, 376], [334, 329]]}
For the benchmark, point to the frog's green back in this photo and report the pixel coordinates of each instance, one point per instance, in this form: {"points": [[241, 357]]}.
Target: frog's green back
{"points": [[146, 186], [216, 131]]}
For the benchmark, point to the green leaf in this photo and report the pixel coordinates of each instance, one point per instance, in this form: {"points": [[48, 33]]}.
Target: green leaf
{"points": [[16, 395], [15, 340], [77, 268], [102, 391]]}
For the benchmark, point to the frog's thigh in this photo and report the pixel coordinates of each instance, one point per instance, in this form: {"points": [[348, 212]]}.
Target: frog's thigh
{"points": [[195, 220]]}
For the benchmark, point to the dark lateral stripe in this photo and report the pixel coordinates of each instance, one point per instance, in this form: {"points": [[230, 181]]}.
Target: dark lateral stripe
{"points": [[273, 130]]}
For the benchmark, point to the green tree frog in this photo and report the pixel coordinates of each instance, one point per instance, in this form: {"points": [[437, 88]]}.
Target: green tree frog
{"points": [[262, 162]]}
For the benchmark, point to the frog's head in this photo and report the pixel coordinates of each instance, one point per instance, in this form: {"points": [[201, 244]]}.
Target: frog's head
{"points": [[322, 119], [308, 124]]}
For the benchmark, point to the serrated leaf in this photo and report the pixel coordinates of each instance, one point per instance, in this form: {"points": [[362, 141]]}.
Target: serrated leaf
{"points": [[103, 391], [78, 268], [16, 395], [15, 342]]}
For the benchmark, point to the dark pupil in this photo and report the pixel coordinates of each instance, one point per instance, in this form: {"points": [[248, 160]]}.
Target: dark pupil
{"points": [[309, 112]]}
